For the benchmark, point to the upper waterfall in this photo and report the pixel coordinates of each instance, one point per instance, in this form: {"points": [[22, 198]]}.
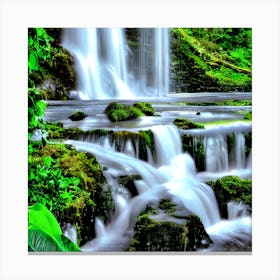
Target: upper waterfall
{"points": [[107, 68]]}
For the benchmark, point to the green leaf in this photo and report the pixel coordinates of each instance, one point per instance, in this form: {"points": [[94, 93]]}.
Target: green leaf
{"points": [[44, 232], [33, 61]]}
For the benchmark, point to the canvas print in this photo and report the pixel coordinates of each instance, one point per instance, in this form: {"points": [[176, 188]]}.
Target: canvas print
{"points": [[140, 140]]}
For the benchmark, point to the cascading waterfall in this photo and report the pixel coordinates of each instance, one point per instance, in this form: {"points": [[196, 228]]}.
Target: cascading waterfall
{"points": [[175, 177], [102, 56], [219, 157]]}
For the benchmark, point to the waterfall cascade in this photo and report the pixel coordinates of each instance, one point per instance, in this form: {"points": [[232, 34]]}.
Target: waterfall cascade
{"points": [[173, 174], [107, 68]]}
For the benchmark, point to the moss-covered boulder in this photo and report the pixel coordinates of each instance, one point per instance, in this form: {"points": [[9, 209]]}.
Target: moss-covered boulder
{"points": [[231, 188], [152, 235], [121, 112], [78, 116], [183, 123]]}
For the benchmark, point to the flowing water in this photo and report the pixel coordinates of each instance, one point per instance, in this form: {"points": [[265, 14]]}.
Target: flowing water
{"points": [[109, 69]]}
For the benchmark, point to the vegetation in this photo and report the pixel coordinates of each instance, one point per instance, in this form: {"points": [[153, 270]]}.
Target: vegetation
{"points": [[44, 232], [153, 235], [78, 116], [212, 59], [71, 185], [120, 112], [183, 123], [231, 188]]}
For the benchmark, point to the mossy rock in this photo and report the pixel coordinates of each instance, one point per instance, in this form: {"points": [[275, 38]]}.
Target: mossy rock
{"points": [[145, 107], [231, 188], [121, 112], [152, 235], [78, 116], [183, 123]]}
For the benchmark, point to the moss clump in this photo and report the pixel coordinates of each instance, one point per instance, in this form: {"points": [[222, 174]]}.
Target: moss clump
{"points": [[71, 185], [231, 188], [183, 123], [78, 116], [145, 107], [121, 112]]}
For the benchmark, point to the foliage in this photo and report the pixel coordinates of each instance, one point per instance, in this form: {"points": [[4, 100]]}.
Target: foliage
{"points": [[232, 188], [44, 232], [212, 59], [70, 184], [183, 123]]}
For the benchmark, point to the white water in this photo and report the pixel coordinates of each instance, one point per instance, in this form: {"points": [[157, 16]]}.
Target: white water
{"points": [[102, 56], [176, 178]]}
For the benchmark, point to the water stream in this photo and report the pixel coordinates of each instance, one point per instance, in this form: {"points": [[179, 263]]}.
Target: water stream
{"points": [[109, 69]]}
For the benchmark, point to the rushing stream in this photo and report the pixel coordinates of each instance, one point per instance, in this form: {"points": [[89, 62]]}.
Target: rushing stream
{"points": [[105, 72]]}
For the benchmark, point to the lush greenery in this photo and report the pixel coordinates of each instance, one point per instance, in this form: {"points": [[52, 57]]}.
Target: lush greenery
{"points": [[68, 183], [211, 59], [71, 185], [231, 188], [44, 232], [121, 112]]}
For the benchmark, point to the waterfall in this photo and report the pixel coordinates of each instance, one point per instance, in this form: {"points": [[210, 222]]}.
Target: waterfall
{"points": [[167, 143], [102, 56], [178, 179], [224, 146]]}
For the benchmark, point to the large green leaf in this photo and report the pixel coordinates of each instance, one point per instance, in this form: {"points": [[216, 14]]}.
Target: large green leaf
{"points": [[33, 61], [44, 232]]}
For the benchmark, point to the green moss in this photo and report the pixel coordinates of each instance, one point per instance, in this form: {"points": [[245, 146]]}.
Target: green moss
{"points": [[121, 112], [183, 123], [145, 107], [167, 206], [231, 188], [152, 235], [78, 116]]}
